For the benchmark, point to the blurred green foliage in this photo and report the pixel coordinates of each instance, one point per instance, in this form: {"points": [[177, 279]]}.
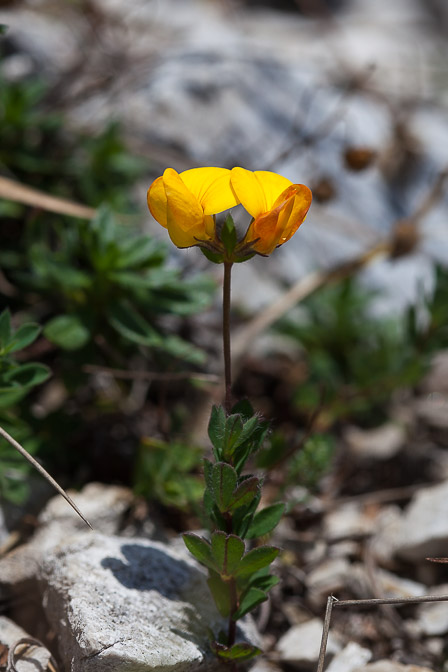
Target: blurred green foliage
{"points": [[98, 292], [355, 360], [16, 380], [39, 149], [169, 473]]}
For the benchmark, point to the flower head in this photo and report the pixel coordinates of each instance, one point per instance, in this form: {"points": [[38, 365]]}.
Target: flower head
{"points": [[185, 203], [278, 207]]}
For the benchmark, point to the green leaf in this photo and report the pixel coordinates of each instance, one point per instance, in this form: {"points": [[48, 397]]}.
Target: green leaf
{"points": [[224, 480], [264, 582], [228, 235], [251, 599], [67, 332], [216, 429], [130, 324], [265, 520], [200, 548], [238, 652], [249, 428], [244, 493], [257, 559], [208, 473], [227, 551], [233, 429], [137, 252], [24, 336], [5, 328], [220, 592], [27, 375]]}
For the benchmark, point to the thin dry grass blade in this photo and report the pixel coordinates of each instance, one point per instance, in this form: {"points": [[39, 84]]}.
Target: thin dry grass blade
{"points": [[42, 471], [20, 193]]}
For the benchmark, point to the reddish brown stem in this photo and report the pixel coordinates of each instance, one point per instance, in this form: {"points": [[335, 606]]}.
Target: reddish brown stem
{"points": [[226, 335]]}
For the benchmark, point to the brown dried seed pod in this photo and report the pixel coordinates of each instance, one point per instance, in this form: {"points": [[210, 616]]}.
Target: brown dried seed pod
{"points": [[359, 158]]}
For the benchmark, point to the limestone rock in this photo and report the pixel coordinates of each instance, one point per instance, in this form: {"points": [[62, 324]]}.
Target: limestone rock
{"points": [[391, 666], [102, 505], [380, 443], [433, 616], [348, 520], [120, 604], [386, 539], [328, 577], [301, 644], [389, 584], [350, 658], [436, 380], [425, 524], [433, 410]]}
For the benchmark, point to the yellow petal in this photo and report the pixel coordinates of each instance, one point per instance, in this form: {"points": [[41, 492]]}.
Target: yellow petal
{"points": [[272, 185], [157, 203], [211, 186], [185, 220], [248, 191]]}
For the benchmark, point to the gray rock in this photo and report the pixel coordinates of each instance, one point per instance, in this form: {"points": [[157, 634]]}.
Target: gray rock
{"points": [[424, 531], [386, 539], [433, 616], [327, 578], [121, 604], [391, 666], [301, 644], [348, 520], [31, 659], [389, 584], [350, 658], [433, 410], [380, 443], [436, 380], [104, 507]]}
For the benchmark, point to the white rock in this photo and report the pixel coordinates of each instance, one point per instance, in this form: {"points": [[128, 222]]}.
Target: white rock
{"points": [[32, 659], [119, 604], [301, 644], [351, 657], [388, 583], [433, 616], [433, 410], [436, 380], [102, 505], [328, 577], [380, 443], [386, 540], [391, 666], [425, 525], [262, 665], [348, 520]]}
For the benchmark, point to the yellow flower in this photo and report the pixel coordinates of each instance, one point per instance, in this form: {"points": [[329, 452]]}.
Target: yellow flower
{"points": [[186, 203], [278, 207]]}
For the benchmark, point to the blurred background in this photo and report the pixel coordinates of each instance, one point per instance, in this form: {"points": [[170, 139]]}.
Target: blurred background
{"points": [[110, 351], [110, 338]]}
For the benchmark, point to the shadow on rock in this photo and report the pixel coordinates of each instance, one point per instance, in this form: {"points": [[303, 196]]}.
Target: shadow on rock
{"points": [[148, 568]]}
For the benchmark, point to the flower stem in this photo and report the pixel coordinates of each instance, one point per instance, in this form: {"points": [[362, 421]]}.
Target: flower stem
{"points": [[226, 335]]}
